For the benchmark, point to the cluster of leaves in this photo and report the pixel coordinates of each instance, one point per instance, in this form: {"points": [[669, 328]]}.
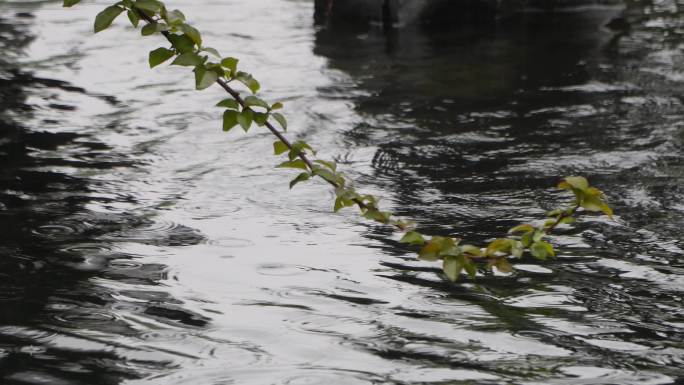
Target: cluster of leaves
{"points": [[522, 239], [187, 50], [209, 67]]}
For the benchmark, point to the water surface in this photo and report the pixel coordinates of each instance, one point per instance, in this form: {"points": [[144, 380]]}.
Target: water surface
{"points": [[142, 245]]}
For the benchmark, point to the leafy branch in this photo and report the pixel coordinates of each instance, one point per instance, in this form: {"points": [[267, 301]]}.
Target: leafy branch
{"points": [[187, 49]]}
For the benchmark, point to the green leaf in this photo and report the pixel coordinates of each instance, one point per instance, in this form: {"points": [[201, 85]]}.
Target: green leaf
{"points": [[595, 203], [413, 238], [346, 197], [517, 249], [149, 5], [537, 235], [160, 55], [182, 43], [248, 81], [300, 178], [297, 163], [501, 245], [342, 202], [453, 266], [450, 247], [70, 3], [105, 18], [229, 103], [153, 28], [245, 119], [554, 213], [213, 67], [280, 119], [229, 119], [526, 238], [253, 101], [230, 63], [212, 51], [327, 175], [549, 249], [192, 33], [470, 267], [260, 118], [298, 147], [567, 220], [188, 59], [430, 252], [331, 165], [175, 17], [133, 17], [521, 228], [339, 204], [277, 106], [541, 250], [280, 147]]}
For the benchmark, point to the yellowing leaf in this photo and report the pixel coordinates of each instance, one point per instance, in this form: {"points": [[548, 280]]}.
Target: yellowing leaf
{"points": [[503, 265], [430, 251], [521, 228], [575, 182], [449, 247], [470, 267], [412, 238], [280, 148], [501, 245], [472, 250], [452, 267], [595, 203]]}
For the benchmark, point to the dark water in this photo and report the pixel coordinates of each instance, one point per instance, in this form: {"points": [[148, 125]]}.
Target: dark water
{"points": [[141, 245]]}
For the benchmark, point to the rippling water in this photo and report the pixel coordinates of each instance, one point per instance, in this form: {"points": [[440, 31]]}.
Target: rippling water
{"points": [[141, 245]]}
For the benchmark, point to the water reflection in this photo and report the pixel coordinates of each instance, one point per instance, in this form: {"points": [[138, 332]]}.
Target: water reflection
{"points": [[471, 126], [60, 321]]}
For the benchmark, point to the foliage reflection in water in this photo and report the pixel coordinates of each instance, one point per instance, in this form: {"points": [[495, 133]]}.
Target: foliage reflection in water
{"points": [[143, 246]]}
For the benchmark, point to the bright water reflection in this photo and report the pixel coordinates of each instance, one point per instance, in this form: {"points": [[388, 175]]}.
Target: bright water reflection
{"points": [[141, 245]]}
